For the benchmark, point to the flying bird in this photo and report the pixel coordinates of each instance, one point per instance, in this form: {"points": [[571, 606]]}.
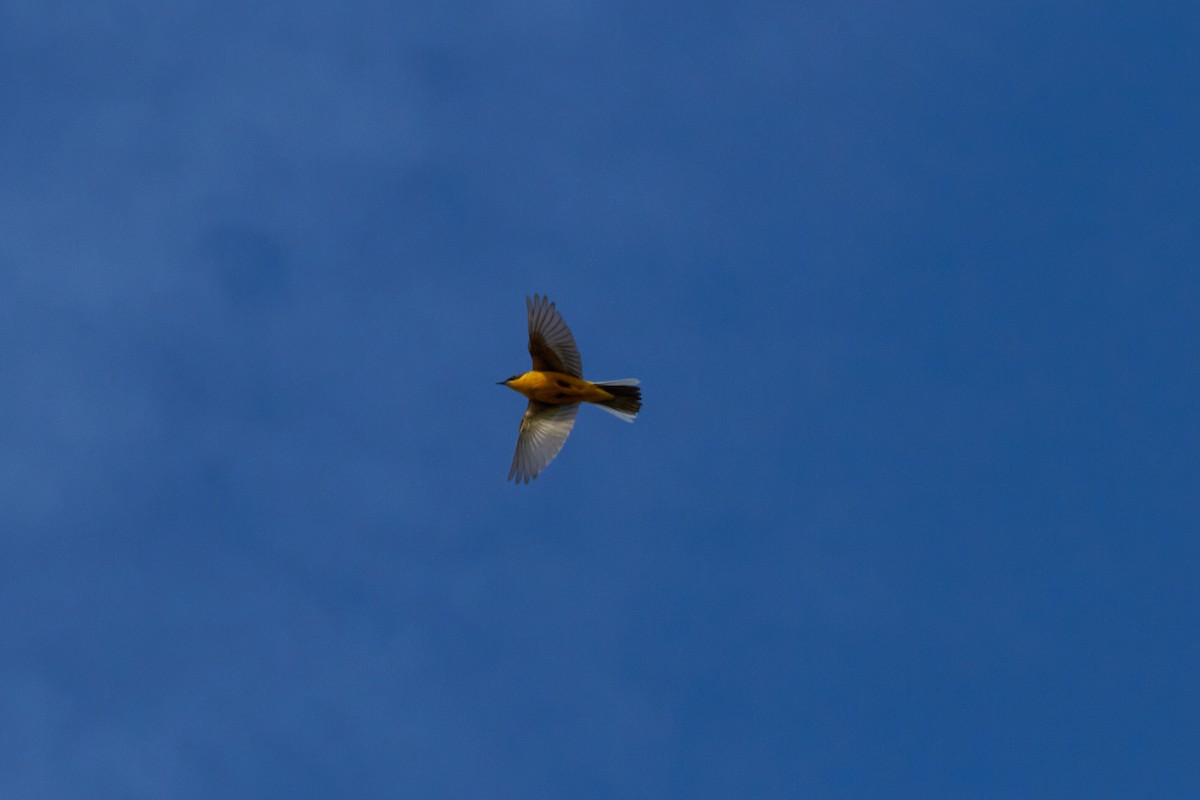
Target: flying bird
{"points": [[555, 388]]}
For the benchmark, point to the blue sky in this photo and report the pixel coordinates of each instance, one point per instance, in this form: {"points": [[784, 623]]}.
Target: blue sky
{"points": [[911, 509]]}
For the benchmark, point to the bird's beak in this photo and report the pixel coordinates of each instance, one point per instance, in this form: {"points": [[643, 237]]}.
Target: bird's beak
{"points": [[502, 383]]}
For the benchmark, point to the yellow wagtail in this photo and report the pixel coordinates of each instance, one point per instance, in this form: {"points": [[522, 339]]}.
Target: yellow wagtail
{"points": [[555, 388]]}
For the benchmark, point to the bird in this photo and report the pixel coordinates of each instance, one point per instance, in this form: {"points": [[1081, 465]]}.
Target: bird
{"points": [[555, 388]]}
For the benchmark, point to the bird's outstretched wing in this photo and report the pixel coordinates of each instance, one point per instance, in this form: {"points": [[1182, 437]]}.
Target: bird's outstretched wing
{"points": [[544, 428], [550, 341]]}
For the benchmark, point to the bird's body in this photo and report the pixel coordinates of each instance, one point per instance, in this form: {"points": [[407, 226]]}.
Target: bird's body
{"points": [[555, 388]]}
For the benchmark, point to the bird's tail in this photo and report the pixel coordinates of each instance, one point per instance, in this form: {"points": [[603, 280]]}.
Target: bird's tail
{"points": [[626, 399]]}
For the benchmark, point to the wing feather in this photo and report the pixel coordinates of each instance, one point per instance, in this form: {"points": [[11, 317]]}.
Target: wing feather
{"points": [[544, 429], [551, 344]]}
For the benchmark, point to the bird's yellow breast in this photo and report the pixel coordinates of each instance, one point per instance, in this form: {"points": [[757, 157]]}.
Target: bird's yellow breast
{"points": [[557, 388]]}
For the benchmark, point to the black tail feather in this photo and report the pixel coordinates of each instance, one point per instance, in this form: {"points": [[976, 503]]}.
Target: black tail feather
{"points": [[626, 399]]}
